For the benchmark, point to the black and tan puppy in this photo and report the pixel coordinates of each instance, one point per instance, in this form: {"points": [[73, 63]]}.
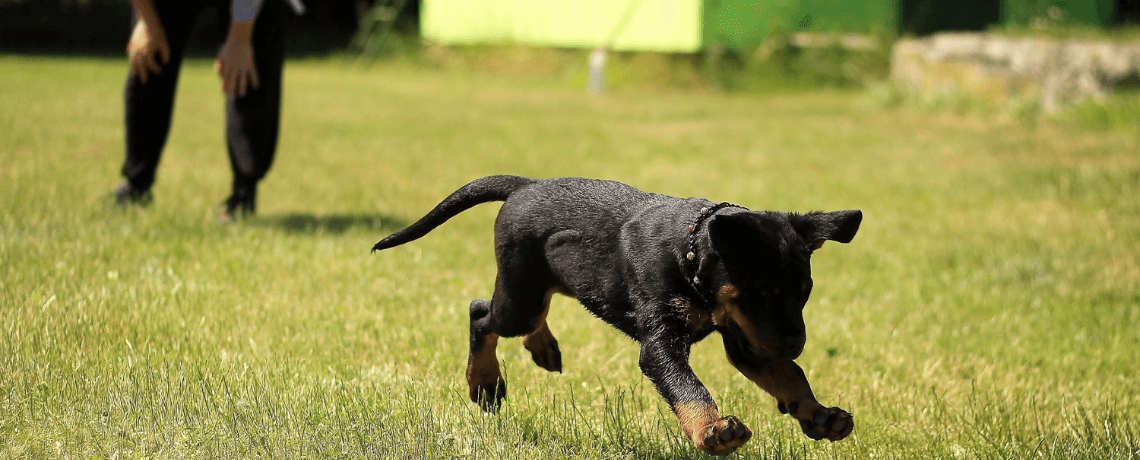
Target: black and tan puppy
{"points": [[665, 271]]}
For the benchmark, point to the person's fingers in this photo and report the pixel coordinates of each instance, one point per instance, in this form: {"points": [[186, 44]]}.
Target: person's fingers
{"points": [[138, 69], [164, 51], [152, 64], [242, 82], [224, 66], [218, 66], [254, 79], [223, 69], [231, 83], [135, 71]]}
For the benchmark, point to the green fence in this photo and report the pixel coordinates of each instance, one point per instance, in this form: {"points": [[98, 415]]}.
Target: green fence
{"points": [[742, 24], [1086, 12]]}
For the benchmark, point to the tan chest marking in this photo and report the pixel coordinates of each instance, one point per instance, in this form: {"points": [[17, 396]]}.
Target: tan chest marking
{"points": [[699, 320]]}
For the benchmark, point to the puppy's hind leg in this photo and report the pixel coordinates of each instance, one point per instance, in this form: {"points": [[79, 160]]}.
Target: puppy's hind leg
{"points": [[484, 380], [541, 343], [518, 307]]}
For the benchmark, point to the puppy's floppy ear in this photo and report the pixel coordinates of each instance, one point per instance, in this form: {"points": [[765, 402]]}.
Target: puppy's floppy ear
{"points": [[815, 227], [741, 237]]}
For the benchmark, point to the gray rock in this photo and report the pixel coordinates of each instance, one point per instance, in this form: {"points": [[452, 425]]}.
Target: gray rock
{"points": [[1057, 72]]}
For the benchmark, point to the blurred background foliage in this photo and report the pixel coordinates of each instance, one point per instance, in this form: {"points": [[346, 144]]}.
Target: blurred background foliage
{"points": [[792, 54]]}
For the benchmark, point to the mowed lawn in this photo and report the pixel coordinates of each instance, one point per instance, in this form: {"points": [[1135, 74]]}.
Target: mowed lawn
{"points": [[988, 308]]}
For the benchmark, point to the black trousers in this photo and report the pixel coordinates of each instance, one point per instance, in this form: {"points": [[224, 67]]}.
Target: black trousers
{"points": [[251, 121]]}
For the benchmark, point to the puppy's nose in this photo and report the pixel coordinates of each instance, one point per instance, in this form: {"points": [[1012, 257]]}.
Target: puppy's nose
{"points": [[794, 345]]}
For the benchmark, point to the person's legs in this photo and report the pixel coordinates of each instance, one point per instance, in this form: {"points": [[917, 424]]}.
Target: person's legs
{"points": [[148, 107], [252, 120]]}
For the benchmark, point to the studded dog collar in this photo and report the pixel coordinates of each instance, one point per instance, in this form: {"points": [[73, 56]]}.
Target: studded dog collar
{"points": [[691, 263]]}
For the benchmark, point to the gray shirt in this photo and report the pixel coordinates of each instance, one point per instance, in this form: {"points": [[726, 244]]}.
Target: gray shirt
{"points": [[246, 10]]}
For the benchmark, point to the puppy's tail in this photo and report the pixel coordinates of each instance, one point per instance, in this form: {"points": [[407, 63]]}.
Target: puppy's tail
{"points": [[490, 188]]}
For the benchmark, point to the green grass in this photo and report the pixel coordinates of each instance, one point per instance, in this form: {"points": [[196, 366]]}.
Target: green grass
{"points": [[987, 309]]}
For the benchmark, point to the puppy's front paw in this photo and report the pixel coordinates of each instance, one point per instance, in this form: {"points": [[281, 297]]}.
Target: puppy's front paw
{"points": [[832, 423], [723, 436]]}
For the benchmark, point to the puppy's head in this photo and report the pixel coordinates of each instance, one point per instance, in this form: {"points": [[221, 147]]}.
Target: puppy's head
{"points": [[765, 276]]}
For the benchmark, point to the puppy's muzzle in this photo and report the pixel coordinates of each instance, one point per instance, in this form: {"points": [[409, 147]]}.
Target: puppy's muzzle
{"points": [[792, 347], [788, 347]]}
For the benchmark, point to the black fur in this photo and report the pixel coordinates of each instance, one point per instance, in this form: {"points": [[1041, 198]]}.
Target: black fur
{"points": [[622, 253]]}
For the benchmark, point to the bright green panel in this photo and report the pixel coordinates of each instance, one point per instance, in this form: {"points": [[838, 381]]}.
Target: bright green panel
{"points": [[743, 24], [852, 15], [657, 25], [737, 24]]}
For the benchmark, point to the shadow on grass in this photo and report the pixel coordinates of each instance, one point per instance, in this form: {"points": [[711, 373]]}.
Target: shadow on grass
{"points": [[305, 223]]}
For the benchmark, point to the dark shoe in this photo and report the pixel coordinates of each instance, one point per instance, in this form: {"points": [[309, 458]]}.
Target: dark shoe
{"points": [[242, 203], [127, 195]]}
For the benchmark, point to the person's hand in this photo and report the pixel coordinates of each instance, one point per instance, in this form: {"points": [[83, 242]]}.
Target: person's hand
{"points": [[236, 67], [146, 47]]}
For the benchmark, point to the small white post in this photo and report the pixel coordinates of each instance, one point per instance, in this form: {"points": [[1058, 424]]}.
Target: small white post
{"points": [[597, 71]]}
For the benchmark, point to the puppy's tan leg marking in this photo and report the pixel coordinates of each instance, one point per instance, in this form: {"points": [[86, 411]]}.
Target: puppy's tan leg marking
{"points": [[485, 382], [541, 343], [784, 380], [703, 424]]}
